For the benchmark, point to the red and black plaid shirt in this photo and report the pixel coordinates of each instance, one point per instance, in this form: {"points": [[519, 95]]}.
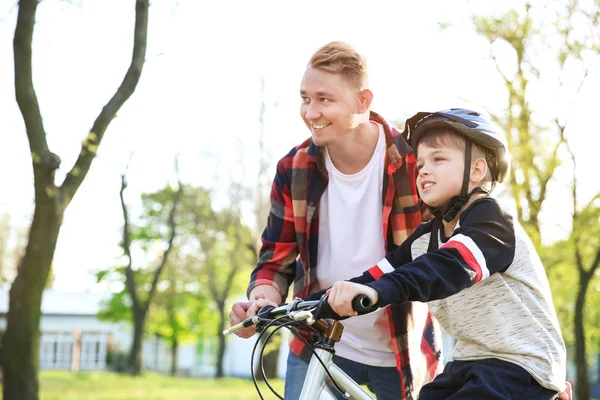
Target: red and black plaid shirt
{"points": [[290, 242]]}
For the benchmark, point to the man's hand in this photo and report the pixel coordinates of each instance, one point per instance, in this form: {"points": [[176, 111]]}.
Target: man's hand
{"points": [[342, 293], [246, 309], [239, 312]]}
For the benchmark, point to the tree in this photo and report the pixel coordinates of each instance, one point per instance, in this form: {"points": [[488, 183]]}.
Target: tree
{"points": [[586, 250], [568, 33], [178, 311], [140, 306], [220, 249], [228, 248], [20, 342], [535, 156]]}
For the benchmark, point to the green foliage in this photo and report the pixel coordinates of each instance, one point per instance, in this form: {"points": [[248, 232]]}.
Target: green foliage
{"points": [[209, 246], [562, 273], [150, 230], [117, 308], [544, 38], [511, 27]]}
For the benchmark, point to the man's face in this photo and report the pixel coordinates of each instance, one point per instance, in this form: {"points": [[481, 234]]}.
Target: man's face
{"points": [[440, 174], [329, 106]]}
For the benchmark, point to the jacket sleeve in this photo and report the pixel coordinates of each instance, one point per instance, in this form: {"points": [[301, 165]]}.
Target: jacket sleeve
{"points": [[401, 255], [277, 257], [482, 245]]}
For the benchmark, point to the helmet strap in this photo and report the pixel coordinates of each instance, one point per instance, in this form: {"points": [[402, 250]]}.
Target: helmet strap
{"points": [[456, 203]]}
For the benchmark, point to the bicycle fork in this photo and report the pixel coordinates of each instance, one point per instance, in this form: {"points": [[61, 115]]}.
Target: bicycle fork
{"points": [[315, 383]]}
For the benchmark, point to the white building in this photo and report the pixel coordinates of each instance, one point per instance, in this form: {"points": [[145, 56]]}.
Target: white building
{"points": [[72, 337]]}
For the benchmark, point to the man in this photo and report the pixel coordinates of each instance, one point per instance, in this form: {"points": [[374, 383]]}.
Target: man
{"points": [[339, 201]]}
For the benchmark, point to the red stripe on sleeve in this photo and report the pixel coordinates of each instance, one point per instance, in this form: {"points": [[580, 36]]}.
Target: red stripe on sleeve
{"points": [[466, 254], [376, 272]]}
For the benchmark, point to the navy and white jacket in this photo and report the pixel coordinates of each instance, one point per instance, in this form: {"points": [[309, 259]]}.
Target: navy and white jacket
{"points": [[487, 288]]}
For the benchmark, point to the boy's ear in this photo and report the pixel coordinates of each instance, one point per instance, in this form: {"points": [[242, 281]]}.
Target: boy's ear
{"points": [[479, 170], [365, 98]]}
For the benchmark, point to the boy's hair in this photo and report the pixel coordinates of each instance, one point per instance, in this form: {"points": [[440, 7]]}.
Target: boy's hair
{"points": [[342, 59], [437, 138]]}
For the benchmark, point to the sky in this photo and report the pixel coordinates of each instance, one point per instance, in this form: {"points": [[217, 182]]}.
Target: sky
{"points": [[200, 97]]}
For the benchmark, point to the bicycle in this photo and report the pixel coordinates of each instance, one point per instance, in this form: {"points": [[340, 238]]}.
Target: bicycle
{"points": [[318, 317]]}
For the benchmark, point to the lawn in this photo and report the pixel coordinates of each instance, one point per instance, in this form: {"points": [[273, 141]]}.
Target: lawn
{"points": [[59, 385]]}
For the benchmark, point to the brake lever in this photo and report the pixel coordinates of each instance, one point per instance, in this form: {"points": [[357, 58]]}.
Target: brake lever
{"points": [[293, 304]]}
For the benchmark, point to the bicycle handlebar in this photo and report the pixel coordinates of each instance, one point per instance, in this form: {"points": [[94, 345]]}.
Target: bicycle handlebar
{"points": [[320, 310]]}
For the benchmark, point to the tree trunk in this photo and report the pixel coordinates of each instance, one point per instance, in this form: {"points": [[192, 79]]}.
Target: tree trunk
{"points": [[20, 342], [174, 358], [135, 354], [21, 339], [221, 351], [582, 384]]}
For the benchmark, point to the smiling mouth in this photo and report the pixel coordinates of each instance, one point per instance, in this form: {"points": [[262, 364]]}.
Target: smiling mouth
{"points": [[319, 127], [428, 185]]}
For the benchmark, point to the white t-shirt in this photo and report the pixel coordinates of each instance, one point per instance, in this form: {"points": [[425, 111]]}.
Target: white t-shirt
{"points": [[351, 240]]}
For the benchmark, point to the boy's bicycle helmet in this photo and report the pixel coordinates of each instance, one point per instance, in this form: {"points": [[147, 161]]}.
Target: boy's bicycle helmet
{"points": [[476, 129]]}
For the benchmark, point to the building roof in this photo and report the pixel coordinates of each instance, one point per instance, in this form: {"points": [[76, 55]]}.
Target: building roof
{"points": [[61, 303]]}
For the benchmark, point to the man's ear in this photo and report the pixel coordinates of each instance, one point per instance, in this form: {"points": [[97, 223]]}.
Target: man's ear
{"points": [[365, 98], [478, 170]]}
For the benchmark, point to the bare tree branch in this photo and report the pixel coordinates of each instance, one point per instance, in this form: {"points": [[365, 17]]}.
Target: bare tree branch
{"points": [[129, 275], [545, 177], [212, 287], [595, 263], [591, 202], [172, 230], [90, 145], [24, 90]]}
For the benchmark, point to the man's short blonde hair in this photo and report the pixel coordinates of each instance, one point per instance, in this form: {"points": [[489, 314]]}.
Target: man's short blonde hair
{"points": [[342, 59]]}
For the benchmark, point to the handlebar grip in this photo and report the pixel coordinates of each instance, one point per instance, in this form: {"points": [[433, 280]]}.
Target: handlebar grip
{"points": [[362, 304]]}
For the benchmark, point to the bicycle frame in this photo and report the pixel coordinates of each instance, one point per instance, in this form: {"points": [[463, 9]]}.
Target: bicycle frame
{"points": [[315, 382]]}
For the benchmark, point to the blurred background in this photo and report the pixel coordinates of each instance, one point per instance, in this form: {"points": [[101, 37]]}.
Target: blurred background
{"points": [[163, 231]]}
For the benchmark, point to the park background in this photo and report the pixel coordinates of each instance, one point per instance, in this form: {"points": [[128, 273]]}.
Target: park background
{"points": [[190, 155]]}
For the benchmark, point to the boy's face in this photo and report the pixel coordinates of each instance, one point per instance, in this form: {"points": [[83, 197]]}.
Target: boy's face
{"points": [[329, 105], [440, 174]]}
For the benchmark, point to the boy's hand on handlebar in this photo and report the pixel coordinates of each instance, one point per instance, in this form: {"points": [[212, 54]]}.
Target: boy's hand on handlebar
{"points": [[342, 293]]}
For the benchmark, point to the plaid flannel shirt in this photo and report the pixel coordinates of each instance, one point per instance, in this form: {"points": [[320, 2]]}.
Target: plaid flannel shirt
{"points": [[290, 241]]}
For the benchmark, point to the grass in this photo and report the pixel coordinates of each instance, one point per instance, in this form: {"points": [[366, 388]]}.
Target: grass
{"points": [[61, 385]]}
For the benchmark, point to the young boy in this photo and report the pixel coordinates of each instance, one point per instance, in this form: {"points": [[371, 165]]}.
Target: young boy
{"points": [[475, 267]]}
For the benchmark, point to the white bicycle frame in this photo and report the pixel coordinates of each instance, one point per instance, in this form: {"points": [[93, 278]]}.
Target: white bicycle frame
{"points": [[315, 383]]}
